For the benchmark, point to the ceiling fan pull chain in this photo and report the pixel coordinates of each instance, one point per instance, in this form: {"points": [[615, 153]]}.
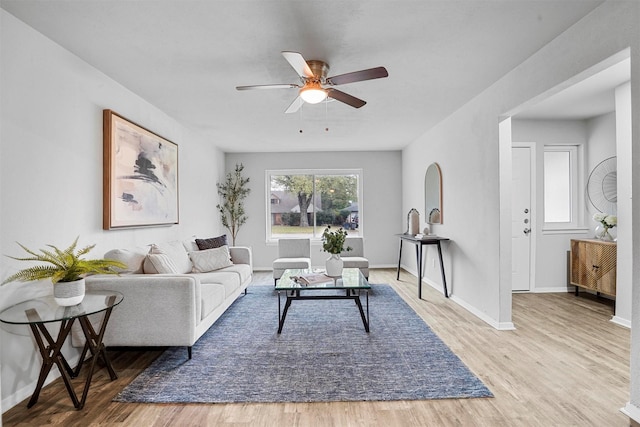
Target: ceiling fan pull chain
{"points": [[326, 115]]}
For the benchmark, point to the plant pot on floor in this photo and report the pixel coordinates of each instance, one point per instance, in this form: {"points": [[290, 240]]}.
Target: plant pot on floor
{"points": [[69, 293]]}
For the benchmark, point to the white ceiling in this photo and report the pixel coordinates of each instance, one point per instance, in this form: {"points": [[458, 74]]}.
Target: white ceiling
{"points": [[590, 97], [186, 57]]}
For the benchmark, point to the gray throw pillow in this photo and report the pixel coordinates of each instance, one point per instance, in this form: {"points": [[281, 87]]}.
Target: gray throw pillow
{"points": [[212, 243]]}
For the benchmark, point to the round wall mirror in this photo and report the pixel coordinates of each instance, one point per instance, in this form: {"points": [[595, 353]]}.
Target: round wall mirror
{"points": [[433, 194]]}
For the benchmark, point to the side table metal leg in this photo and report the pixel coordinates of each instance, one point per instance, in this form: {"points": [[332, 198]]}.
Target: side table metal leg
{"points": [[399, 258], [444, 279], [419, 267]]}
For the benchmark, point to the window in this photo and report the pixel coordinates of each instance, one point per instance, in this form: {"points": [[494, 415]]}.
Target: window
{"points": [[561, 187], [301, 203]]}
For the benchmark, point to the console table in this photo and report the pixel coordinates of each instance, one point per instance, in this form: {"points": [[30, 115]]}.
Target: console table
{"points": [[37, 312], [426, 240]]}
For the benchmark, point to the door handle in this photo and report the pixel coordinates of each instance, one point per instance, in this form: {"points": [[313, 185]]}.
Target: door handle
{"points": [[527, 231]]}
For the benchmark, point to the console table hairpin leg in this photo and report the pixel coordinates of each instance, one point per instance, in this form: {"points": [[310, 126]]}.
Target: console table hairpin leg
{"points": [[419, 244]]}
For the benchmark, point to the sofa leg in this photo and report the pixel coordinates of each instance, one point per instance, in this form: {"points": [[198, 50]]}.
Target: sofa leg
{"points": [[189, 352], [245, 291]]}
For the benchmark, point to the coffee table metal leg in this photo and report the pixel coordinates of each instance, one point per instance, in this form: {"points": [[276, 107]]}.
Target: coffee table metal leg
{"points": [[284, 313], [365, 320]]}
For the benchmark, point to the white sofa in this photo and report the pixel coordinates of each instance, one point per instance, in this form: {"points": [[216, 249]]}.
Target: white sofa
{"points": [[170, 309]]}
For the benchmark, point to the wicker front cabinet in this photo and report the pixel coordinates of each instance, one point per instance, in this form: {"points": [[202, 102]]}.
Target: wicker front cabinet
{"points": [[593, 265]]}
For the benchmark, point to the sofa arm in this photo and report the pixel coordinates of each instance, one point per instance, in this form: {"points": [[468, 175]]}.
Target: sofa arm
{"points": [[157, 310], [241, 255]]}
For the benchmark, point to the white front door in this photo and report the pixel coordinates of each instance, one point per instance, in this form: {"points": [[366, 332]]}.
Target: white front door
{"points": [[521, 219]]}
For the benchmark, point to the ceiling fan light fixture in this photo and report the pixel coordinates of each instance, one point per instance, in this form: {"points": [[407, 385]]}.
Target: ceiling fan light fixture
{"points": [[313, 93]]}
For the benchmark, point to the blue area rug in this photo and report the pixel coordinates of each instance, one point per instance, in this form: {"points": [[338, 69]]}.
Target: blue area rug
{"points": [[322, 355]]}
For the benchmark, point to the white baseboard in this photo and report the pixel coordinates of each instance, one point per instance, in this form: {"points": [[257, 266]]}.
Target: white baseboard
{"points": [[631, 411], [25, 392], [501, 326], [622, 322], [553, 289]]}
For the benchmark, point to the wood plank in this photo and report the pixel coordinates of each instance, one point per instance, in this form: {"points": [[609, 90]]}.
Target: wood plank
{"points": [[552, 370]]}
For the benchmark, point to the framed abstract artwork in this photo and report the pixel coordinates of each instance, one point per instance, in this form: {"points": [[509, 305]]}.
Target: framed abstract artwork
{"points": [[140, 176]]}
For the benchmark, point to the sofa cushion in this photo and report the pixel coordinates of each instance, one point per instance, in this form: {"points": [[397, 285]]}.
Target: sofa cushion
{"points": [[133, 258], [159, 264], [210, 259], [242, 270], [212, 242], [178, 254], [227, 279], [212, 294]]}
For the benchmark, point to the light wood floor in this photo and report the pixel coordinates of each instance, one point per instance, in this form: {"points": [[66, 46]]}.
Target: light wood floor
{"points": [[565, 365]]}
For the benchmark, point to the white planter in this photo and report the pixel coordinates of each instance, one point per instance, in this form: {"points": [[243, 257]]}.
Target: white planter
{"points": [[334, 265], [69, 293]]}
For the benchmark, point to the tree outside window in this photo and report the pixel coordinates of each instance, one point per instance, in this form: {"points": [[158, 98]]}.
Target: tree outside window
{"points": [[303, 203]]}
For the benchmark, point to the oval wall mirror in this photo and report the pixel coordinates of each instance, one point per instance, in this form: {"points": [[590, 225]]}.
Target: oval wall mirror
{"points": [[433, 194]]}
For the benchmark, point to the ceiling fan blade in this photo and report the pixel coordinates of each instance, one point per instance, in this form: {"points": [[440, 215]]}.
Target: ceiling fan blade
{"points": [[299, 64], [279, 86], [345, 97], [295, 105], [358, 76]]}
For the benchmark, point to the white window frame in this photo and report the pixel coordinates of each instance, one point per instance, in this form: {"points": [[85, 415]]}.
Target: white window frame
{"points": [[576, 173], [269, 173]]}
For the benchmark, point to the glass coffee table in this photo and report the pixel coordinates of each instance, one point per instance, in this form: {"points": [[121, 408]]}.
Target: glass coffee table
{"points": [[292, 284]]}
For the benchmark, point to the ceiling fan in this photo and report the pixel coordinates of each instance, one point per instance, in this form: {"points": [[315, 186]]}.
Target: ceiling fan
{"points": [[315, 86]]}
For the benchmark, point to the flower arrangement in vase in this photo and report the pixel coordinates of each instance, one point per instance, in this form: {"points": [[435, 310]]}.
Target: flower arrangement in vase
{"points": [[333, 242], [66, 270], [607, 222]]}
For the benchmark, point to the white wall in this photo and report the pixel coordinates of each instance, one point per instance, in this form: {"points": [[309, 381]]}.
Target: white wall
{"points": [[625, 259], [466, 144], [51, 172], [597, 139], [381, 201]]}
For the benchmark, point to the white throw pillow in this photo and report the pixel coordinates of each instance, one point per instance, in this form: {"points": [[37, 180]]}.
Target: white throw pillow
{"points": [[210, 259], [159, 264], [178, 254], [133, 258]]}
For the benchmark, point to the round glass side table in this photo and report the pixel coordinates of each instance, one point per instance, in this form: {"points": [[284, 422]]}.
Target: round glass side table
{"points": [[37, 312]]}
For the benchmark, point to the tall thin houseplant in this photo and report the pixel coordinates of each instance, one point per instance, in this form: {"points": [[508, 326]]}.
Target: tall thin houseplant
{"points": [[233, 191]]}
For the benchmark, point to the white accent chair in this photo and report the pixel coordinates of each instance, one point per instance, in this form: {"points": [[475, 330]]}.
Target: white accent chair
{"points": [[355, 257], [292, 253]]}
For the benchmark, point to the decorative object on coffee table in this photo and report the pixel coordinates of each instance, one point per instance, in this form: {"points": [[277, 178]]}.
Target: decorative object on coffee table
{"points": [[333, 242], [233, 191], [67, 270]]}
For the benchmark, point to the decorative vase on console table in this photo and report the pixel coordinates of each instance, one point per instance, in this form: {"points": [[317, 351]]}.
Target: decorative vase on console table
{"points": [[606, 224], [333, 242]]}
